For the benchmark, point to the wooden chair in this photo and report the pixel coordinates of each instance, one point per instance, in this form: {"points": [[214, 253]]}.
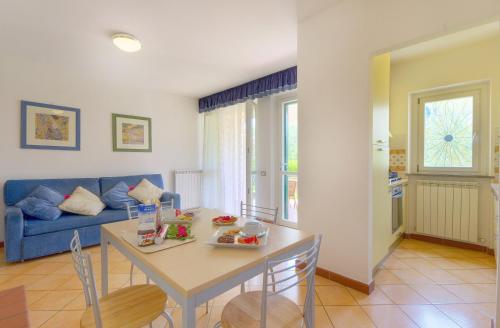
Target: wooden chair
{"points": [[259, 213], [262, 309], [133, 213], [134, 306]]}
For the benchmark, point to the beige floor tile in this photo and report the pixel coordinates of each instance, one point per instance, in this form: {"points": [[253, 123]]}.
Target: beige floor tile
{"points": [[472, 293], [18, 268], [454, 253], [78, 303], [348, 317], [389, 316], [64, 319], [419, 264], [472, 276], [446, 263], [412, 276], [394, 263], [386, 277], [441, 276], [335, 295], [321, 318], [67, 268], [298, 294], [202, 318], [488, 309], [465, 315], [54, 300], [34, 295], [402, 294], [376, 297], [428, 316], [426, 253], [5, 277], [23, 279], [436, 294], [402, 253], [45, 268], [38, 318], [49, 282], [475, 263]]}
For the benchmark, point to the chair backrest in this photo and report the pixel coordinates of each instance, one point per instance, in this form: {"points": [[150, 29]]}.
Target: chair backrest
{"points": [[260, 213], [133, 211], [289, 278], [83, 266]]}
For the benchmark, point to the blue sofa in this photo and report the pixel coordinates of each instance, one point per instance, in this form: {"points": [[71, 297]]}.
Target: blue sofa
{"points": [[27, 238]]}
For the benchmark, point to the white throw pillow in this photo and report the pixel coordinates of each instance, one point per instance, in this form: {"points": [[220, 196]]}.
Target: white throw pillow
{"points": [[82, 202], [145, 192]]}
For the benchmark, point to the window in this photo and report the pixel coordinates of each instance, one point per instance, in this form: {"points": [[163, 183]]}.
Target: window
{"points": [[448, 122]]}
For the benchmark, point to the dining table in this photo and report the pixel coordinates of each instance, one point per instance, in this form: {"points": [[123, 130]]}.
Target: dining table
{"points": [[196, 272]]}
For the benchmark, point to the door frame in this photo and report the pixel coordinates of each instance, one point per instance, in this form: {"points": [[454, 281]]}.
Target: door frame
{"points": [[278, 190]]}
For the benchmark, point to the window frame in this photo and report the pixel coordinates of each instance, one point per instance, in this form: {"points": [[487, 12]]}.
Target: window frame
{"points": [[480, 160]]}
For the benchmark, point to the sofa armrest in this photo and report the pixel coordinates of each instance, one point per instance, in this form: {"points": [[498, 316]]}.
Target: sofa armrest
{"points": [[14, 226], [169, 196]]}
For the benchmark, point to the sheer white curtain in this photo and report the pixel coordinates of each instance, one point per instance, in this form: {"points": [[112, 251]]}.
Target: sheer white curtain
{"points": [[224, 158]]}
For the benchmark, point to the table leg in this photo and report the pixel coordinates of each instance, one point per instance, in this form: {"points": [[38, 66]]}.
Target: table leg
{"points": [[189, 314], [104, 264]]}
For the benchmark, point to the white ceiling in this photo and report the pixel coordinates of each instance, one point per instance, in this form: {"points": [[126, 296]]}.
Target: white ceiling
{"points": [[446, 42], [190, 47]]}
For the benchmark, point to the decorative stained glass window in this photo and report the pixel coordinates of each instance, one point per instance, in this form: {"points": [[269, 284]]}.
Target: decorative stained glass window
{"points": [[449, 133]]}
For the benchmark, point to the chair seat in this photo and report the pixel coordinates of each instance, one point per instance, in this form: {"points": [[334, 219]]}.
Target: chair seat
{"points": [[243, 311], [129, 307]]}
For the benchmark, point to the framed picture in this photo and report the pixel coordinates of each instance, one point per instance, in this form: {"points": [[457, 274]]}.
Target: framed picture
{"points": [[45, 126], [131, 133]]}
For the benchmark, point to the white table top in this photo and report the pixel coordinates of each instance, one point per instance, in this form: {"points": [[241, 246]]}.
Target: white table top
{"points": [[195, 266]]}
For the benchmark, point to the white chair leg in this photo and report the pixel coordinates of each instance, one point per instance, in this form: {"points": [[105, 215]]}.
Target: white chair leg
{"points": [[273, 279], [242, 288], [170, 321], [131, 274]]}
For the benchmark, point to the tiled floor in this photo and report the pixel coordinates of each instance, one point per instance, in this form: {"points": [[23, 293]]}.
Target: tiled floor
{"points": [[420, 285]]}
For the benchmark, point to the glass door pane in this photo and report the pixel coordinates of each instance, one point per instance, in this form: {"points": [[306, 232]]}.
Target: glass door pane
{"points": [[290, 161]]}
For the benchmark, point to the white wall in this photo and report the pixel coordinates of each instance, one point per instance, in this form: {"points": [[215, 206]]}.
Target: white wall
{"points": [[334, 51], [174, 125]]}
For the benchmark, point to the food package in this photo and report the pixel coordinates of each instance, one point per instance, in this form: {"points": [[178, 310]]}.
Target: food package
{"points": [[146, 230]]}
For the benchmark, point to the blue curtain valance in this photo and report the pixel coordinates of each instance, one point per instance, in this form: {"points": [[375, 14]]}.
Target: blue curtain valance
{"points": [[273, 83]]}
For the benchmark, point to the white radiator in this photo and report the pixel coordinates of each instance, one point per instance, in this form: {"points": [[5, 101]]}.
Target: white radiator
{"points": [[448, 209], [188, 183]]}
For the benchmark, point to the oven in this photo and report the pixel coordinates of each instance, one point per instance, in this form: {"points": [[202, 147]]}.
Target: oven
{"points": [[397, 207]]}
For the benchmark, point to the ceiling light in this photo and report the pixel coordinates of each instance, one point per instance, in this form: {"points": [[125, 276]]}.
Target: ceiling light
{"points": [[126, 42]]}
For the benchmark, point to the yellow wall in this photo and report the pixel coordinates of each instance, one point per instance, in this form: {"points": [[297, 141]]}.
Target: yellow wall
{"points": [[477, 61]]}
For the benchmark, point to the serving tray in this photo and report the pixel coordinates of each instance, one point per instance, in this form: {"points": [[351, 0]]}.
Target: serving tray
{"points": [[131, 238]]}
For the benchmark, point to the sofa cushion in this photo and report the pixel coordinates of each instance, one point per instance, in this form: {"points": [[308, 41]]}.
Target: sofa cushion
{"points": [[17, 190], [117, 197], [42, 204], [71, 221], [83, 202], [146, 192], [39, 208], [107, 183]]}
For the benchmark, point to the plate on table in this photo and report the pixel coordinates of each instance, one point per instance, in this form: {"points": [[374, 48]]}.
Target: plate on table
{"points": [[230, 237], [224, 220]]}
